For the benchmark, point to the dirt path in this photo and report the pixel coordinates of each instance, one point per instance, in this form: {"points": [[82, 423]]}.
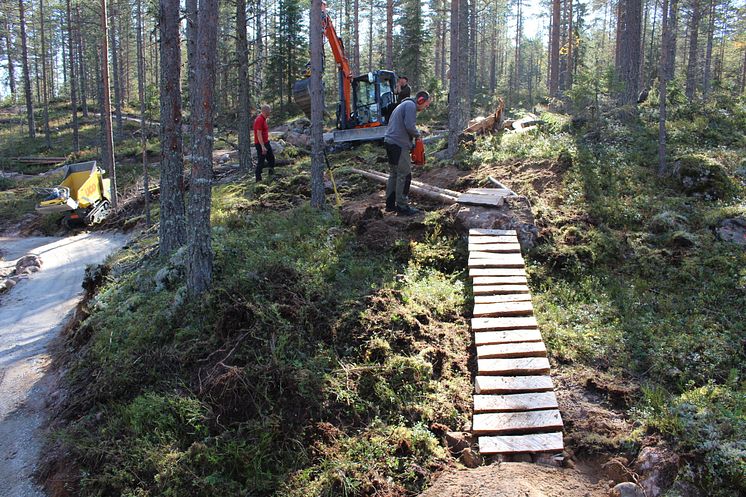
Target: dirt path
{"points": [[516, 480], [31, 316]]}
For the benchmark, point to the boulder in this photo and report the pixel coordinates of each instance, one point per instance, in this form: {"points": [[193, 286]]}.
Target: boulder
{"points": [[458, 441], [703, 177], [657, 468], [7, 284], [627, 489], [301, 140], [514, 214], [27, 261], [616, 469], [470, 459], [733, 230]]}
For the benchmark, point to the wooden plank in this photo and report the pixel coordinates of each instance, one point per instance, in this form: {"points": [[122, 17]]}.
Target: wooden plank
{"points": [[506, 336], [495, 247], [499, 280], [477, 239], [511, 350], [515, 402], [497, 324], [504, 261], [525, 308], [516, 422], [499, 289], [493, 271], [488, 200], [512, 384], [483, 231], [506, 297], [490, 191], [536, 442], [510, 257], [521, 366]]}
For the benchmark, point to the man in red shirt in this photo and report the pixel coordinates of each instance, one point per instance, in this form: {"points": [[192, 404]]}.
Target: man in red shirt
{"points": [[261, 142]]}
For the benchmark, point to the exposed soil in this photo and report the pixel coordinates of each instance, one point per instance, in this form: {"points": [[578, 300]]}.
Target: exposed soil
{"points": [[517, 480]]}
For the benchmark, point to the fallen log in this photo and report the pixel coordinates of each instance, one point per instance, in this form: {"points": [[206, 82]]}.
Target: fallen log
{"points": [[417, 187]]}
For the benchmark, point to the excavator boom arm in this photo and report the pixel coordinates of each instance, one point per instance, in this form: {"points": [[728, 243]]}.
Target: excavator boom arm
{"points": [[342, 64]]}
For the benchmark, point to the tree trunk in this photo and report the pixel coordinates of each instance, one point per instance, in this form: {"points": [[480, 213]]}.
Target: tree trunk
{"points": [[666, 52], [317, 108], [356, 36], [81, 63], [706, 80], [472, 67], [116, 75], [11, 67], [673, 30], [45, 94], [107, 145], [743, 73], [372, 9], [141, 97], [691, 67], [199, 269], [629, 57], [26, 75], [463, 63], [555, 50], [242, 53], [73, 81], [390, 34], [172, 230], [191, 43], [570, 46], [454, 96]]}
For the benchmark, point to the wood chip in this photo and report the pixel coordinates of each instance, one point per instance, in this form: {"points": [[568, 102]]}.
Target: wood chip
{"points": [[511, 350], [515, 402], [506, 444], [506, 336], [521, 366], [512, 384], [496, 324], [516, 422], [524, 308]]}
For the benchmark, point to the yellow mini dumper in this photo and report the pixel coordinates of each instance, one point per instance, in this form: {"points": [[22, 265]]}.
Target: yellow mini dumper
{"points": [[83, 195]]}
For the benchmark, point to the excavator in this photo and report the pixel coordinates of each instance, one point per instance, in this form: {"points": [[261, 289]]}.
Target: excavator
{"points": [[365, 101]]}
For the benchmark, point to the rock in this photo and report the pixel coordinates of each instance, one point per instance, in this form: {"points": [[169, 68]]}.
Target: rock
{"points": [[301, 140], [626, 489], [32, 269], [657, 467], [470, 459], [279, 146], [733, 230], [703, 177], [458, 441], [27, 261], [7, 284], [616, 469], [514, 214], [556, 460]]}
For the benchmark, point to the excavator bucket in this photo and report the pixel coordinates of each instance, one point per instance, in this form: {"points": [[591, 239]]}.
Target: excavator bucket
{"points": [[302, 95]]}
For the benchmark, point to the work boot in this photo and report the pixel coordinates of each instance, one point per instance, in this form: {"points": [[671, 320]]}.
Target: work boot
{"points": [[406, 210]]}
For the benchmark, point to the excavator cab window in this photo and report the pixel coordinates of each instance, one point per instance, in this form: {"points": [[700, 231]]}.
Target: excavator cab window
{"points": [[366, 105]]}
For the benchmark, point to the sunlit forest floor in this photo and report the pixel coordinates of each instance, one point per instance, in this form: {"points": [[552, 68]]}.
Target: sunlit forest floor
{"points": [[334, 353]]}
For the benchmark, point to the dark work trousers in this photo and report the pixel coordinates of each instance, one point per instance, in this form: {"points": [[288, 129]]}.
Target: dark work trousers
{"points": [[400, 176], [269, 157]]}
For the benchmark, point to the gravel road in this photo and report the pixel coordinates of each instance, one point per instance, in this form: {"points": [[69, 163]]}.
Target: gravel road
{"points": [[31, 315]]}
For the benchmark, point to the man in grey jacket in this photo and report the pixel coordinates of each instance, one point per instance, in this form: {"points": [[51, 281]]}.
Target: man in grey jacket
{"points": [[400, 132]]}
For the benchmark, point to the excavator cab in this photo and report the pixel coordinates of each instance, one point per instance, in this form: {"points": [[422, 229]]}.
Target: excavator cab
{"points": [[372, 97]]}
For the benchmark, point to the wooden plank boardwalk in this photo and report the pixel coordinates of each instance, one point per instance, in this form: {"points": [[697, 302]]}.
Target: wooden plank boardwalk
{"points": [[515, 409]]}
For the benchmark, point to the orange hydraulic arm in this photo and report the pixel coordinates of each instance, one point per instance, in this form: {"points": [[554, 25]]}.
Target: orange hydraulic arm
{"points": [[342, 63]]}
